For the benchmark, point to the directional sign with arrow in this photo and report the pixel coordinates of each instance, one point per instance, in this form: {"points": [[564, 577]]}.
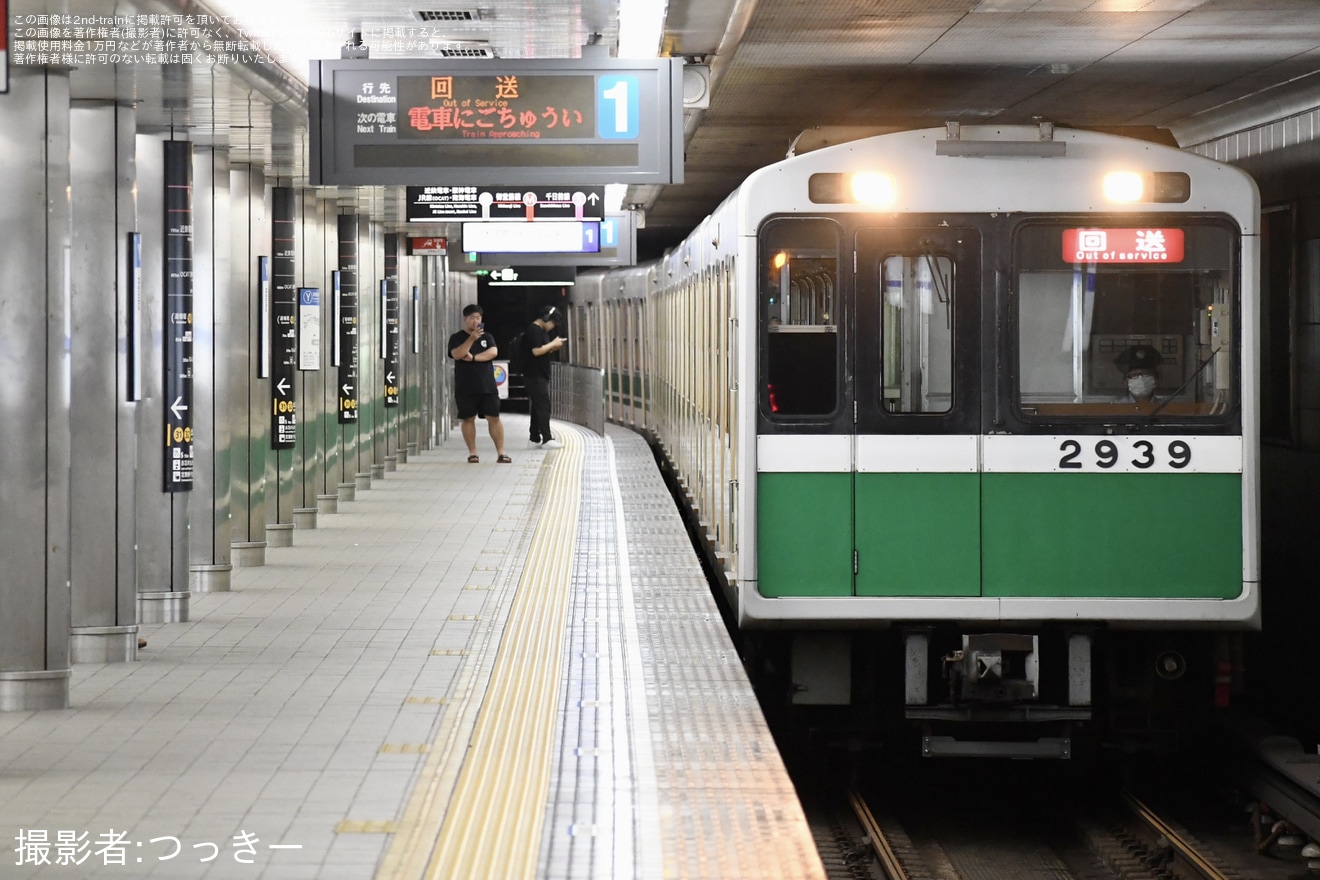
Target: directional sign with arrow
{"points": [[178, 352], [391, 339], [284, 322], [443, 204], [346, 324]]}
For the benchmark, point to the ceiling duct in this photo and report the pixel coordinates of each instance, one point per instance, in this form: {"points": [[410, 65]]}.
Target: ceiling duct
{"points": [[448, 15], [463, 50]]}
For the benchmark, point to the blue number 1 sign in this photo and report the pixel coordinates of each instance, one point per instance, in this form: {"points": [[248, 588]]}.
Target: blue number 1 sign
{"points": [[618, 107]]}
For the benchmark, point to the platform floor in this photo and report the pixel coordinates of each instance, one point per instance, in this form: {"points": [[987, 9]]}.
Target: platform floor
{"points": [[469, 671]]}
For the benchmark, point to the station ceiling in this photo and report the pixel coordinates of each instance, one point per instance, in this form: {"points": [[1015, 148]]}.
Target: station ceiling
{"points": [[785, 74]]}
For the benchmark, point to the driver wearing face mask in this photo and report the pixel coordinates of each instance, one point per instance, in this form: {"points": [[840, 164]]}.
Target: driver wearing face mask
{"points": [[1140, 366]]}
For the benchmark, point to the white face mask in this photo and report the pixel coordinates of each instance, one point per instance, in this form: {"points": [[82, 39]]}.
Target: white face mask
{"points": [[1141, 386]]}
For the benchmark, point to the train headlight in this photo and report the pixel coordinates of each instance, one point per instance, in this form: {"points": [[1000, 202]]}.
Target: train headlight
{"points": [[1124, 186], [863, 187], [871, 188], [1154, 186]]}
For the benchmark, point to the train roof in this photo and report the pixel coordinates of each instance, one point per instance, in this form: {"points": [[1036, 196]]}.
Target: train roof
{"points": [[997, 168]]}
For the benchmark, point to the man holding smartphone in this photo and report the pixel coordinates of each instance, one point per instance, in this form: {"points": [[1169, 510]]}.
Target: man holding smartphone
{"points": [[541, 345], [475, 391]]}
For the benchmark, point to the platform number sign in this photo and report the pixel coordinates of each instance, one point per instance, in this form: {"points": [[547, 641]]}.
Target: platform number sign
{"points": [[618, 107]]}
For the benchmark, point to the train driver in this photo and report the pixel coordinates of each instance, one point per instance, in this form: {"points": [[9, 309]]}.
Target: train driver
{"points": [[1140, 367]]}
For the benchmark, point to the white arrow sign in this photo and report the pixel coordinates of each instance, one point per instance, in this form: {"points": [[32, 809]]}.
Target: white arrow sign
{"points": [[282, 386], [348, 390], [389, 377], [177, 406]]}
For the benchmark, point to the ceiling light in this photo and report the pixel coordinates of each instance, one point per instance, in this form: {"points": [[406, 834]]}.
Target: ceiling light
{"points": [[641, 27]]}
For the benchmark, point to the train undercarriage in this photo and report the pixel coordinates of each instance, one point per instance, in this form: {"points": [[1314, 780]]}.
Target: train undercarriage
{"points": [[1052, 693]]}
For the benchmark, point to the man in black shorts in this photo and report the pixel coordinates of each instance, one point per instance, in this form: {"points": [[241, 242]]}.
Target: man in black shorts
{"points": [[475, 391]]}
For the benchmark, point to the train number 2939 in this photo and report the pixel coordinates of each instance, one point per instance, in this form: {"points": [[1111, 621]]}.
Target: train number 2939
{"points": [[1144, 454]]}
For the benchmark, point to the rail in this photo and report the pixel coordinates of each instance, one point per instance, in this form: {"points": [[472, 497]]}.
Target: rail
{"points": [[1183, 850], [884, 853]]}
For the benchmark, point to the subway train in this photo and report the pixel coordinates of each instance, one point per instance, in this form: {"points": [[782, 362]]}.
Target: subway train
{"points": [[966, 420]]}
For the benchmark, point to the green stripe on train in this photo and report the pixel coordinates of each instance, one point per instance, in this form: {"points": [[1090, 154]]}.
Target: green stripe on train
{"points": [[804, 534], [1000, 535], [918, 535], [1113, 535]]}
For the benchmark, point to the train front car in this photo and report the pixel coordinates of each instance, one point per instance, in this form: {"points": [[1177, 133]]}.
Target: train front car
{"points": [[1004, 482]]}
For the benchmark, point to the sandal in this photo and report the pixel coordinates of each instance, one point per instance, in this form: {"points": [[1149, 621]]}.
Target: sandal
{"points": [[504, 459], [473, 459]]}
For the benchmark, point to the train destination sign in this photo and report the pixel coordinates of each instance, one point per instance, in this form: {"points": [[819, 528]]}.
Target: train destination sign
{"points": [[560, 123], [1122, 245], [441, 204]]}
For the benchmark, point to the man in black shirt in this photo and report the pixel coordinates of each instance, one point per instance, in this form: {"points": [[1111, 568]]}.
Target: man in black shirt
{"points": [[475, 391], [539, 346]]}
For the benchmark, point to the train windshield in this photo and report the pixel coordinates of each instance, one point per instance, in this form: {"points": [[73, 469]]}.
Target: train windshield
{"points": [[1117, 320], [917, 327], [799, 290]]}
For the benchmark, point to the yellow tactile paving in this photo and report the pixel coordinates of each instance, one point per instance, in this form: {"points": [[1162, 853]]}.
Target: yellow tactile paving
{"points": [[490, 824]]}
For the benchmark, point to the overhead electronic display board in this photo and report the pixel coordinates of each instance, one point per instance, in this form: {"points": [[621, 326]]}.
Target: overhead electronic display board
{"points": [[521, 237], [618, 247], [532, 122]]}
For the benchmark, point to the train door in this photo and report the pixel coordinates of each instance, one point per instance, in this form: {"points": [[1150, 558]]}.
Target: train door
{"points": [[804, 482], [867, 431], [916, 365]]}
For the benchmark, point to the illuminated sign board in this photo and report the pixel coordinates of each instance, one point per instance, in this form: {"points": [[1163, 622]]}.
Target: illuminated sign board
{"points": [[504, 123], [521, 237], [1122, 245], [532, 276], [618, 247], [442, 204], [428, 247]]}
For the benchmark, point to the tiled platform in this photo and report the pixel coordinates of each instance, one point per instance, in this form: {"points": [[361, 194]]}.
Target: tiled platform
{"points": [[326, 717]]}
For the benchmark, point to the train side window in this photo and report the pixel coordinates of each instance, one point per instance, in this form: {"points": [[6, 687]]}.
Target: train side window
{"points": [[799, 315], [1086, 325], [916, 326]]}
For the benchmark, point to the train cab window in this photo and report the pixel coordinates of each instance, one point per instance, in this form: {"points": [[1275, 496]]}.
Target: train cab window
{"points": [[1119, 320], [799, 297], [916, 326]]}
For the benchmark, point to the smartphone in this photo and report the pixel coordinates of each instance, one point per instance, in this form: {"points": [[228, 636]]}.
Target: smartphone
{"points": [[481, 326]]}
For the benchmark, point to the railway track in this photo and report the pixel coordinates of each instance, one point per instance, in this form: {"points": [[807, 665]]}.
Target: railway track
{"points": [[1127, 841], [1232, 805]]}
